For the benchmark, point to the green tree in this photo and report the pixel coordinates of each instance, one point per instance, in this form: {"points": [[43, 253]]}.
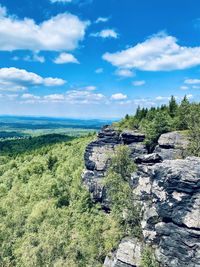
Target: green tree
{"points": [[173, 107], [184, 114], [194, 131], [119, 191]]}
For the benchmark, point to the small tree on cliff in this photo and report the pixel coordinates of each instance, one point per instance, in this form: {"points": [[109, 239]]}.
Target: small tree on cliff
{"points": [[119, 191]]}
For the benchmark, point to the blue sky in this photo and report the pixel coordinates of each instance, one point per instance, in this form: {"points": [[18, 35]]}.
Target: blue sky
{"points": [[97, 58]]}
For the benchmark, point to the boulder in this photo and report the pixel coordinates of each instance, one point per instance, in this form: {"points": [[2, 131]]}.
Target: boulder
{"points": [[173, 140], [172, 145], [169, 153]]}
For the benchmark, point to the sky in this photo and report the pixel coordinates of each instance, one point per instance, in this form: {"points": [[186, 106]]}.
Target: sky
{"points": [[97, 58]]}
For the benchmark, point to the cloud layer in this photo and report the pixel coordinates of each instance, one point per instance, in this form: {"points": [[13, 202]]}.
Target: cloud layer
{"points": [[13, 79], [158, 53], [62, 32], [66, 58]]}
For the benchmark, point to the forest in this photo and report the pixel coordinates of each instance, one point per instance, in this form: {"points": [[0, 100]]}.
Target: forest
{"points": [[48, 217], [184, 117]]}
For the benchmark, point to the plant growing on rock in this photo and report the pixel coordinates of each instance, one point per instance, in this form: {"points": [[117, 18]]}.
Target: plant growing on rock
{"points": [[148, 258], [119, 191]]}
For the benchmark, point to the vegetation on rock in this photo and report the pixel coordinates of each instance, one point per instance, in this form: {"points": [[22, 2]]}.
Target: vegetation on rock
{"points": [[119, 191]]}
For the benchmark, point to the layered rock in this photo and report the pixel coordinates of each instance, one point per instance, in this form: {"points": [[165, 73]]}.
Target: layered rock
{"points": [[128, 254], [167, 190], [172, 145], [170, 195], [98, 154]]}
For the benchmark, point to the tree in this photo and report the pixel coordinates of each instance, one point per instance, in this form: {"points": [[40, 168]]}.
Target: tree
{"points": [[194, 131], [184, 114], [173, 107], [119, 191], [160, 124]]}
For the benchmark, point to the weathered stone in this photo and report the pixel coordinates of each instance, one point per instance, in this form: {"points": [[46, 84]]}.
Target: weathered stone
{"points": [[137, 149], [128, 254], [169, 153], [169, 193], [129, 137], [173, 140], [149, 159]]}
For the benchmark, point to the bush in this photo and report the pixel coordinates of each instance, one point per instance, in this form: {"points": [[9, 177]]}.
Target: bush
{"points": [[148, 258], [119, 191]]}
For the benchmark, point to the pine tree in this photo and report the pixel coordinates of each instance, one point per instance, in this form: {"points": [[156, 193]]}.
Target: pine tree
{"points": [[173, 107]]}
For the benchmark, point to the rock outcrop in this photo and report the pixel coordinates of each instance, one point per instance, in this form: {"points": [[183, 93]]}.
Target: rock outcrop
{"points": [[170, 195], [172, 145], [128, 254], [167, 188], [99, 152]]}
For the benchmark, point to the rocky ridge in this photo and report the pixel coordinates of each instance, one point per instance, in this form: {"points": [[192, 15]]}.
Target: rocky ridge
{"points": [[166, 186]]}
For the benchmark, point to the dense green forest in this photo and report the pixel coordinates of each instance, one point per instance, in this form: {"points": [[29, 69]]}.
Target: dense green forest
{"points": [[48, 217], [26, 145], [155, 121]]}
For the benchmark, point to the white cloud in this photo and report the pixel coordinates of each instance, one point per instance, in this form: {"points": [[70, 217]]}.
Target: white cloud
{"points": [[161, 98], [90, 88], [66, 58], [192, 81], [62, 32], [158, 53], [84, 97], [139, 83], [189, 96], [184, 87], [98, 71], [124, 73], [35, 57], [101, 19], [54, 97], [118, 96], [13, 79], [29, 96], [107, 33]]}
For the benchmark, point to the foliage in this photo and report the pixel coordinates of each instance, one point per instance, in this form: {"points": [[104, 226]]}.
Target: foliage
{"points": [[194, 131], [47, 216], [148, 258], [172, 117], [15, 147], [119, 192]]}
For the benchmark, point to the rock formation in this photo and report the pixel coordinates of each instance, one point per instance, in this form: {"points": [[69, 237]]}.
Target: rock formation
{"points": [[166, 187], [99, 152]]}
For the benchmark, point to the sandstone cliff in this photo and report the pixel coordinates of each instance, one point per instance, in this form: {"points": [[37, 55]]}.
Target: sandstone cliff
{"points": [[167, 187]]}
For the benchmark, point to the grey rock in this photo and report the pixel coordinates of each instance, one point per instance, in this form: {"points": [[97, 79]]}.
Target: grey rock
{"points": [[128, 254], [129, 137], [149, 159], [170, 153], [173, 140], [98, 154], [137, 149], [172, 145], [169, 193]]}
